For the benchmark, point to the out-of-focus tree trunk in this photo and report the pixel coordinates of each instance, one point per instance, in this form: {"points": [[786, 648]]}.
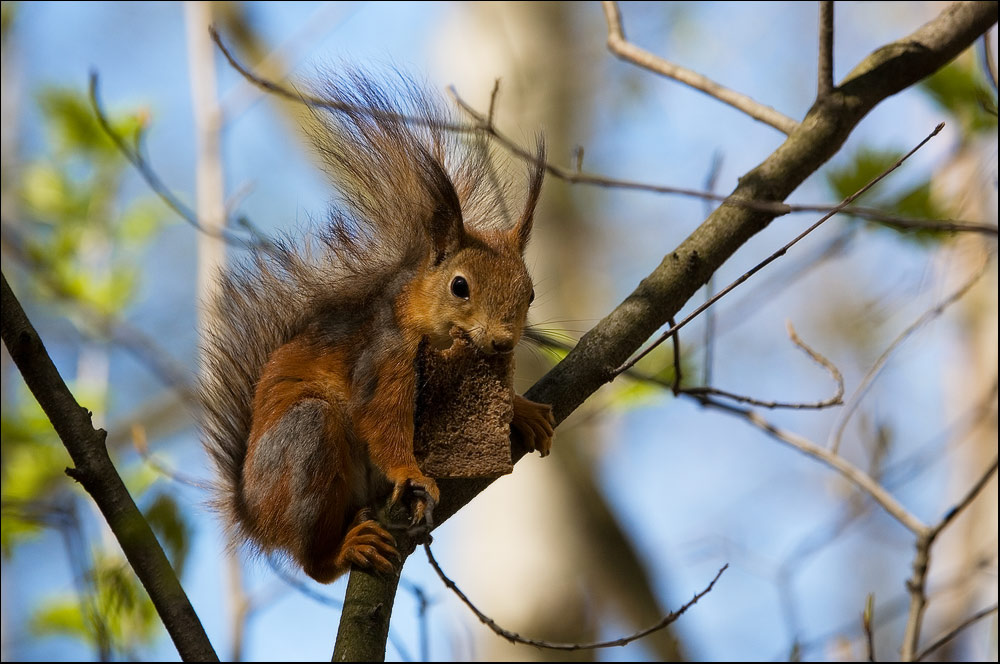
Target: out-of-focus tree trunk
{"points": [[970, 377], [210, 196]]}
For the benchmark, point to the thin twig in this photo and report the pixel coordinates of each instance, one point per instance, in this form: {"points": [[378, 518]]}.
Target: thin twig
{"points": [[777, 208], [966, 500], [675, 385], [968, 622], [825, 74], [625, 50], [153, 181], [917, 583], [776, 255], [852, 473], [491, 116], [835, 400], [324, 102], [890, 610], [141, 445], [517, 638], [317, 26], [837, 433]]}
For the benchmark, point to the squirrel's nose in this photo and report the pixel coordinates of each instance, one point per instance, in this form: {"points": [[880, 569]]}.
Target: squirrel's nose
{"points": [[503, 345]]}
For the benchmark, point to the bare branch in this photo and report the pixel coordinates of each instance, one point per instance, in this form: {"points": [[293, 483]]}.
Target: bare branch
{"points": [[241, 96], [970, 495], [625, 50], [968, 622], [836, 434], [776, 255], [141, 445], [917, 583], [825, 77], [701, 392], [320, 102], [95, 471], [517, 638], [852, 473], [134, 156]]}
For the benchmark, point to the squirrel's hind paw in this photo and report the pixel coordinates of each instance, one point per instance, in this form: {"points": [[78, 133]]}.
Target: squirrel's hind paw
{"points": [[368, 545]]}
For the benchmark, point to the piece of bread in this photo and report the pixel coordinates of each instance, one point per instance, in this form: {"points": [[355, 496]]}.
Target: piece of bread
{"points": [[463, 414]]}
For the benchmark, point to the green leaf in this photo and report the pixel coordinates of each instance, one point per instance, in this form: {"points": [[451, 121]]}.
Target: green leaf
{"points": [[167, 521], [15, 530], [60, 617], [123, 603], [139, 222], [660, 365], [866, 164], [74, 127]]}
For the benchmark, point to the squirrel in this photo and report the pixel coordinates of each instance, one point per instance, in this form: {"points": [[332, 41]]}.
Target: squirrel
{"points": [[308, 380]]}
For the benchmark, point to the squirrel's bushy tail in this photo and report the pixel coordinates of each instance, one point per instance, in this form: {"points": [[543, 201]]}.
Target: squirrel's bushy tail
{"points": [[260, 305]]}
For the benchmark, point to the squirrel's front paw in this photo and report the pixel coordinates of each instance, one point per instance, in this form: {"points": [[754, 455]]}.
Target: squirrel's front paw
{"points": [[423, 488], [534, 423]]}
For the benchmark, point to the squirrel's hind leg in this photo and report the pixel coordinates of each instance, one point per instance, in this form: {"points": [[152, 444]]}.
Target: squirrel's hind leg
{"points": [[298, 480]]}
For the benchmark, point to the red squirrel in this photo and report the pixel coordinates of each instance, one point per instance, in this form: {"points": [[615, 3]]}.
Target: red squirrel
{"points": [[308, 381]]}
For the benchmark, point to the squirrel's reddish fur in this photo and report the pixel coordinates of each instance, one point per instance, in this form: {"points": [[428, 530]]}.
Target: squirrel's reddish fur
{"points": [[308, 382]]}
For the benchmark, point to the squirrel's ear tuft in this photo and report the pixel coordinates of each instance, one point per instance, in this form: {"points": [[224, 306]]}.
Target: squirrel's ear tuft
{"points": [[523, 228], [444, 225]]}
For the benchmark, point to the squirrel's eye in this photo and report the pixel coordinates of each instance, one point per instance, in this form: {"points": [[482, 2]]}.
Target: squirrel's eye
{"points": [[460, 288], [531, 298]]}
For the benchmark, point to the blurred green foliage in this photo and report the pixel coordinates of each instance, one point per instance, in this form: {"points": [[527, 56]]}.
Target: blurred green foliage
{"points": [[960, 92], [81, 243]]}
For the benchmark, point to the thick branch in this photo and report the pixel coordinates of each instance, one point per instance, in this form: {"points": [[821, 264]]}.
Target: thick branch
{"points": [[98, 476]]}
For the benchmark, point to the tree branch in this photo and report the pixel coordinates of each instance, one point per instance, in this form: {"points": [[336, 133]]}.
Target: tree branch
{"points": [[95, 471], [917, 583], [513, 637], [629, 52], [968, 622]]}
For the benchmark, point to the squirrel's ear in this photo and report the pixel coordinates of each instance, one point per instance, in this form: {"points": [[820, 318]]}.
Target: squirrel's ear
{"points": [[444, 225], [523, 228]]}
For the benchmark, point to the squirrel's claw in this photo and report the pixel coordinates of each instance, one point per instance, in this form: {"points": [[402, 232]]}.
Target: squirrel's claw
{"points": [[425, 492], [534, 423]]}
